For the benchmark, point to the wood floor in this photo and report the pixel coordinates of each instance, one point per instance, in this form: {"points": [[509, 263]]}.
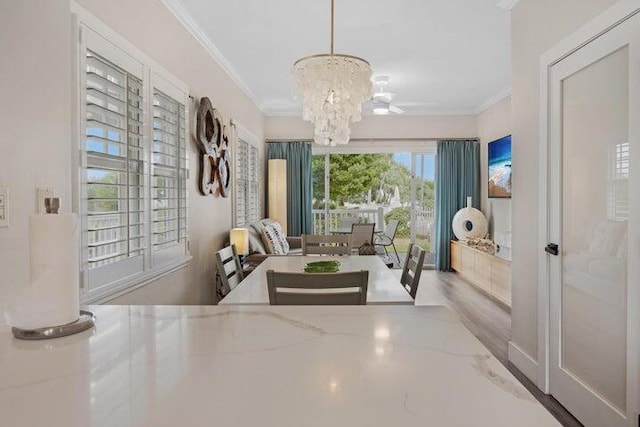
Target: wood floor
{"points": [[489, 320]]}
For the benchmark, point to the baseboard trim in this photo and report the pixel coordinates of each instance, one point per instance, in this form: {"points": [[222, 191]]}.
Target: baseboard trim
{"points": [[523, 362]]}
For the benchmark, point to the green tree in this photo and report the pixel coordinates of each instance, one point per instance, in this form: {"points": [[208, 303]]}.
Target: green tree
{"points": [[402, 215], [352, 176]]}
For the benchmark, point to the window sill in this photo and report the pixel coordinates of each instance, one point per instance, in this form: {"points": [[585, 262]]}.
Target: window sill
{"points": [[101, 296]]}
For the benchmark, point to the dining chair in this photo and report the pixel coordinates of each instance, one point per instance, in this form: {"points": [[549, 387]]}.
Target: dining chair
{"points": [[361, 233], [229, 268], [386, 239], [318, 244], [348, 288], [412, 270]]}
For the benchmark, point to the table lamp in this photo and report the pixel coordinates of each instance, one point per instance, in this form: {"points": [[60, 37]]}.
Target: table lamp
{"points": [[240, 238]]}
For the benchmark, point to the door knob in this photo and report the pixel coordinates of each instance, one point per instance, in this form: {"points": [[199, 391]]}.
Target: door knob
{"points": [[551, 248]]}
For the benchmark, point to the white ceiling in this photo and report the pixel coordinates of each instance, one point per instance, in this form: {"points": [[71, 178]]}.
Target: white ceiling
{"points": [[442, 56]]}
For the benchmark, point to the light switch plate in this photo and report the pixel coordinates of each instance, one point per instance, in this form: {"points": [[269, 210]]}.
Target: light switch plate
{"points": [[4, 207], [43, 193]]}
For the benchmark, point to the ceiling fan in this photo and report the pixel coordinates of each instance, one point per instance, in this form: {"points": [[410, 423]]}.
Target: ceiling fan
{"points": [[382, 99]]}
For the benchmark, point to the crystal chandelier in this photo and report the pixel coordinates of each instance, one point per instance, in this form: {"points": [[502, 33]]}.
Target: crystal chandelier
{"points": [[332, 88]]}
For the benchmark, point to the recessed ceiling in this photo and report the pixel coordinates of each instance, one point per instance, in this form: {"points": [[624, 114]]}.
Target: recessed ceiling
{"points": [[442, 56]]}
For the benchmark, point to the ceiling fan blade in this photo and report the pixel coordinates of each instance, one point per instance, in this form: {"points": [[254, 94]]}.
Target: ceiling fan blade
{"points": [[384, 96], [395, 109]]}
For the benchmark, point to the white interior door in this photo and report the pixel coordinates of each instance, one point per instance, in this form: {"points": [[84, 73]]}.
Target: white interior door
{"points": [[594, 159]]}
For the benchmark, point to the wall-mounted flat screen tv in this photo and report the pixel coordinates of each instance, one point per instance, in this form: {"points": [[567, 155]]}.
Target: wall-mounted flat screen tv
{"points": [[500, 168]]}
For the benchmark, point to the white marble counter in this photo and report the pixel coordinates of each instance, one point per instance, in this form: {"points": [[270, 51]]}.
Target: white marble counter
{"points": [[262, 366]]}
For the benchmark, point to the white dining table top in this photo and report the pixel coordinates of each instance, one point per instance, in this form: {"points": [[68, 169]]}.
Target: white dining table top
{"points": [[383, 288], [162, 366]]}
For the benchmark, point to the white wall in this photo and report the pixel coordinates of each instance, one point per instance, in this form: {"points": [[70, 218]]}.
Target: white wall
{"points": [[494, 123], [35, 118], [36, 127], [385, 127], [536, 26]]}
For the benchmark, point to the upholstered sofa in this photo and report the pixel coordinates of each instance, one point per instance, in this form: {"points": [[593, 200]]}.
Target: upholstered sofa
{"points": [[258, 250]]}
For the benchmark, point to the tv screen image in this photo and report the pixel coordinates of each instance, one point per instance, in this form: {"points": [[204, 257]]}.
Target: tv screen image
{"points": [[500, 168]]}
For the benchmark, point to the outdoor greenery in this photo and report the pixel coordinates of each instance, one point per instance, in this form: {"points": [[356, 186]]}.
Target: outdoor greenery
{"points": [[354, 175], [402, 214]]}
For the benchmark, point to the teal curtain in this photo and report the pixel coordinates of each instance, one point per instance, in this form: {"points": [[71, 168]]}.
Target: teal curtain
{"points": [[299, 189], [457, 176]]}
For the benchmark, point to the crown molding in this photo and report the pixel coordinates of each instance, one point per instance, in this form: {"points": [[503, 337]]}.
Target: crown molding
{"points": [[184, 17], [493, 100], [506, 4]]}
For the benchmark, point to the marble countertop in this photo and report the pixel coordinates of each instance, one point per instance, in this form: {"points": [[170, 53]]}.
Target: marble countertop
{"points": [[262, 366]]}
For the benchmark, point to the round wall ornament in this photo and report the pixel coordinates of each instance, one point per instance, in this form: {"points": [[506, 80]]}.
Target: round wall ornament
{"points": [[469, 223]]}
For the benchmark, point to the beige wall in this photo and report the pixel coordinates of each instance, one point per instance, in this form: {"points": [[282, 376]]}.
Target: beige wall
{"points": [[36, 121], [35, 144], [494, 123], [385, 127], [536, 26]]}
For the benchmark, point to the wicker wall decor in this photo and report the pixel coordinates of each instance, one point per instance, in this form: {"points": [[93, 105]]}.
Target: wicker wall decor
{"points": [[214, 143]]}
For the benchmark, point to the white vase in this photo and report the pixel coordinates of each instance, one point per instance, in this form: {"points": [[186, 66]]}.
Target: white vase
{"points": [[469, 223]]}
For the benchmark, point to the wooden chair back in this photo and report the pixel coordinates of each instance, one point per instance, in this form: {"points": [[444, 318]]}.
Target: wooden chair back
{"points": [[334, 244], [412, 270], [229, 267], [348, 288]]}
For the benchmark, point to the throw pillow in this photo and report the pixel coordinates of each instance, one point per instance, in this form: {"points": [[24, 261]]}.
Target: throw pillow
{"points": [[271, 240], [277, 228]]}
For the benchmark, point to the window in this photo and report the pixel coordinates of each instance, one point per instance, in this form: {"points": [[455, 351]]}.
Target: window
{"points": [[247, 201], [133, 171], [618, 185]]}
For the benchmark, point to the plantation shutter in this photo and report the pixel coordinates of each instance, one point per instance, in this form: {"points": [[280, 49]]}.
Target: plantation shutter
{"points": [[253, 195], [114, 190], [241, 184], [169, 172], [247, 183]]}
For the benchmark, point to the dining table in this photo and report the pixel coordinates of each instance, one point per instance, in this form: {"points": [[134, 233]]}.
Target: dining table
{"points": [[384, 287]]}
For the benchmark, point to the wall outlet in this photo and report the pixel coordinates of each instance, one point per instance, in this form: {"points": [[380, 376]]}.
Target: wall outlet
{"points": [[43, 193], [4, 207]]}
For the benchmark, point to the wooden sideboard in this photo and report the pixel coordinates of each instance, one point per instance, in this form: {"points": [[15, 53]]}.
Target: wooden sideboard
{"points": [[490, 273]]}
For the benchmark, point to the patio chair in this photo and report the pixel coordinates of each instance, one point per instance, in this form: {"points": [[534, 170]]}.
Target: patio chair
{"points": [[349, 288], [317, 244], [229, 268], [412, 270], [386, 239], [361, 233]]}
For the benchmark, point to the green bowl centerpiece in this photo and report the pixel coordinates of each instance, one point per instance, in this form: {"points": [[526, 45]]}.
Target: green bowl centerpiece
{"points": [[322, 267]]}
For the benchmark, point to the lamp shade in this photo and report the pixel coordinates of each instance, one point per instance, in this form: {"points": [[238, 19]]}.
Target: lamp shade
{"points": [[278, 192], [240, 238]]}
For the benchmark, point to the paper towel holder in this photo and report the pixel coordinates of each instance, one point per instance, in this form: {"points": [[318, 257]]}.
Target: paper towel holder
{"points": [[52, 205], [84, 322]]}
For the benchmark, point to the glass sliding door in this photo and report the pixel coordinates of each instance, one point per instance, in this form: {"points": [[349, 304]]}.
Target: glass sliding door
{"points": [[423, 204], [377, 187]]}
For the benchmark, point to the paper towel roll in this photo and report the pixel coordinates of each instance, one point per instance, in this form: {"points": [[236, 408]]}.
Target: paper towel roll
{"points": [[53, 297]]}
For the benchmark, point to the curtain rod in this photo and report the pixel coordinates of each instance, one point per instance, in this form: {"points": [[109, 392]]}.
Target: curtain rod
{"points": [[380, 139]]}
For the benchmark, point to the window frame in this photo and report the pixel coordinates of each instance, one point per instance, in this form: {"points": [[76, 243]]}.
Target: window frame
{"points": [[240, 133], [123, 276]]}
